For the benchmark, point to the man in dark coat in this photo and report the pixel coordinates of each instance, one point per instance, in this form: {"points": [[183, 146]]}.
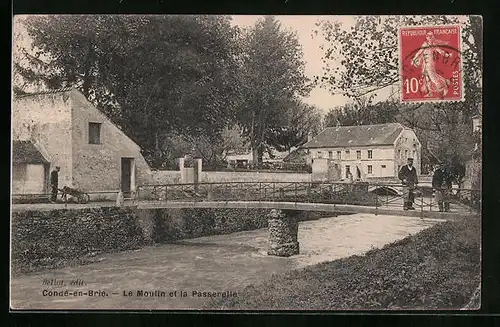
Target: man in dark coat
{"points": [[54, 183], [408, 176], [442, 183]]}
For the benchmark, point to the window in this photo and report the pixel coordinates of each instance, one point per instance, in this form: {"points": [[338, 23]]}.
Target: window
{"points": [[399, 154], [339, 155], [383, 166], [347, 171], [347, 154], [414, 154], [330, 154], [320, 155], [94, 133], [370, 169], [406, 154], [358, 154], [370, 154]]}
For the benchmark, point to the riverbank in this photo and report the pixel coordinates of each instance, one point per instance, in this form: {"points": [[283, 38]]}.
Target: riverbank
{"points": [[438, 268]]}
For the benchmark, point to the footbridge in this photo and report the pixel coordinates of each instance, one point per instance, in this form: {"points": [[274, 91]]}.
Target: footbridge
{"points": [[335, 197]]}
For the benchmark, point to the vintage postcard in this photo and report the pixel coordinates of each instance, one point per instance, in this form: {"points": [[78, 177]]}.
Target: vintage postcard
{"points": [[237, 162]]}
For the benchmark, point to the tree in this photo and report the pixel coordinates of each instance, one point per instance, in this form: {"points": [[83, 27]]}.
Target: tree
{"points": [[150, 74], [363, 113], [303, 120], [369, 63], [273, 77]]}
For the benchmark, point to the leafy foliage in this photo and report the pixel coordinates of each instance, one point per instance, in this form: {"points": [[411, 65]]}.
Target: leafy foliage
{"points": [[171, 79], [303, 120], [150, 74], [273, 78], [353, 114]]}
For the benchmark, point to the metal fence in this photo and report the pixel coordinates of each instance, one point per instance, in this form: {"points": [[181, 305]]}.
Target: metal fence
{"points": [[85, 197], [379, 195]]}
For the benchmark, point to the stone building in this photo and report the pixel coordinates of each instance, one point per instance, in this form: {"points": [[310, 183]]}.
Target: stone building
{"points": [[30, 169], [367, 150], [69, 132]]}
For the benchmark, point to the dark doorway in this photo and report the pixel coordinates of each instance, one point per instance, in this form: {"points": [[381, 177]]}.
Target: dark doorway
{"points": [[126, 180]]}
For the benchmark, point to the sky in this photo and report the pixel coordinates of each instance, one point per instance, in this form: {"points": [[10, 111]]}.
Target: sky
{"points": [[304, 26]]}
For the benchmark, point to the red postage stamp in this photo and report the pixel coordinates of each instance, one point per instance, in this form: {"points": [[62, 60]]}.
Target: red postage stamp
{"points": [[431, 63]]}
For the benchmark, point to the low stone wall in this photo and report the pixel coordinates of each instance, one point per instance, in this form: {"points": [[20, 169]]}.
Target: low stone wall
{"points": [[161, 177], [254, 176], [56, 238], [48, 239]]}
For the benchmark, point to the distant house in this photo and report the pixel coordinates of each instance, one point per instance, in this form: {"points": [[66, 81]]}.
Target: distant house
{"points": [[237, 159], [477, 124], [62, 128], [366, 150]]}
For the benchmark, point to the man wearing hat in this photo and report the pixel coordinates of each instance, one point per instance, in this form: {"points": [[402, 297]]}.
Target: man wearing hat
{"points": [[442, 183], [408, 176]]}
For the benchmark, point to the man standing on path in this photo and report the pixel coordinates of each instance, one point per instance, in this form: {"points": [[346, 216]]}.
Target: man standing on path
{"points": [[54, 183], [442, 183], [408, 176]]}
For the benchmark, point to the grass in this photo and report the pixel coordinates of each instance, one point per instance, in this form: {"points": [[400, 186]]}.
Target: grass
{"points": [[438, 268]]}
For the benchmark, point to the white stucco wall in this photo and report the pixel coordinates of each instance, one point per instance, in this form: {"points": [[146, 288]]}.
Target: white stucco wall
{"points": [[166, 177], [45, 119], [381, 155], [31, 181], [223, 176], [97, 167]]}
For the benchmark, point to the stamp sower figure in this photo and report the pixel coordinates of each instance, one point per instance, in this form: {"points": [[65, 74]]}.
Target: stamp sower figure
{"points": [[433, 81], [408, 176], [442, 183], [54, 183]]}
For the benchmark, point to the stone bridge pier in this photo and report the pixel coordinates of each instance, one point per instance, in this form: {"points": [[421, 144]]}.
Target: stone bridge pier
{"points": [[283, 226]]}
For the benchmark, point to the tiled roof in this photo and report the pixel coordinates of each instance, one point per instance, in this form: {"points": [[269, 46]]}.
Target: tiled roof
{"points": [[362, 135], [26, 152], [65, 89]]}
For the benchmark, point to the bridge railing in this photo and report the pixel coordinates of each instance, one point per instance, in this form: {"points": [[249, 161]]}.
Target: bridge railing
{"points": [[378, 195]]}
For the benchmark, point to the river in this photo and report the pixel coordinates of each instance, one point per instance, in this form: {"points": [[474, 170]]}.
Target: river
{"points": [[171, 273]]}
